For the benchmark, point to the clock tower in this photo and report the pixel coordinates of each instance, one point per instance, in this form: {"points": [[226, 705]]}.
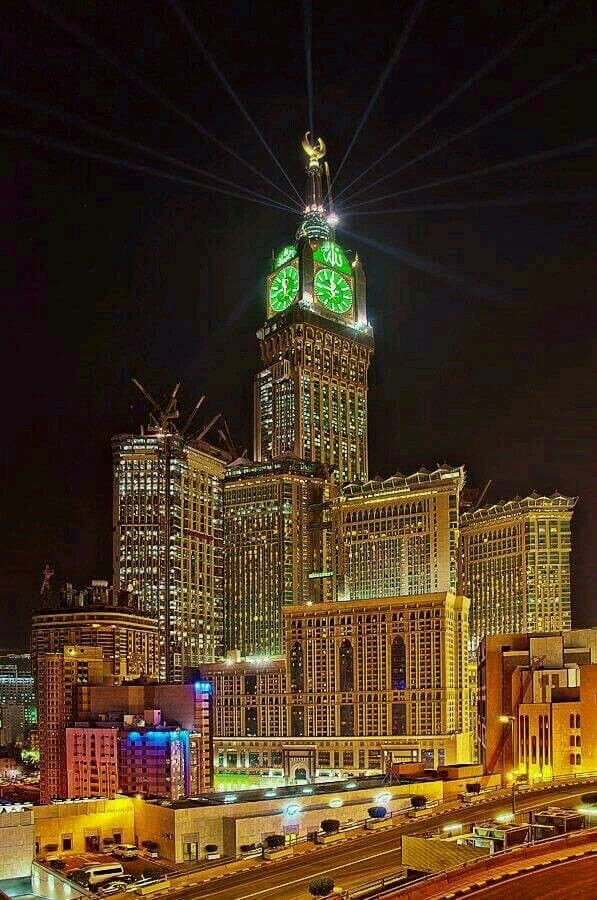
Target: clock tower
{"points": [[316, 344]]}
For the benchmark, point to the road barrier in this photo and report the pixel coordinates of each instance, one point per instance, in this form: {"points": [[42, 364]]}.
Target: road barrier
{"points": [[443, 881]]}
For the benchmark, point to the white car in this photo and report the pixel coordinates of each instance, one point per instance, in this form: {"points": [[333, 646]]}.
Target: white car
{"points": [[114, 887], [125, 851]]}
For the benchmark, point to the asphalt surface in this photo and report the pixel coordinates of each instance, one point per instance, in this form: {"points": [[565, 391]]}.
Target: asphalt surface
{"points": [[359, 860], [576, 878], [133, 867]]}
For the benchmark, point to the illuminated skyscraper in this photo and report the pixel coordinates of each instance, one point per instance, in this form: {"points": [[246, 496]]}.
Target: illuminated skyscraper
{"points": [[268, 548], [17, 684], [168, 541], [515, 565], [98, 617], [397, 537], [316, 345]]}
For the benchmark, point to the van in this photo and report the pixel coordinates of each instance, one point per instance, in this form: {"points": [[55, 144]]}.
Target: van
{"points": [[100, 872]]}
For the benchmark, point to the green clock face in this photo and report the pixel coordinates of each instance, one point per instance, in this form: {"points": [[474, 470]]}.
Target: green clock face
{"points": [[333, 290], [330, 254], [283, 288]]}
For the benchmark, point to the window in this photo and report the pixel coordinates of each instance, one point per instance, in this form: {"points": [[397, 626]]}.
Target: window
{"points": [[572, 759], [572, 720], [346, 719], [297, 721], [398, 662], [67, 842], [578, 720], [296, 668], [346, 659], [251, 721], [398, 718]]}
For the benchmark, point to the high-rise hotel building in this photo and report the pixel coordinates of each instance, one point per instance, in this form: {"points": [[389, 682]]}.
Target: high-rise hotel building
{"points": [[268, 548], [167, 517], [97, 617], [515, 565], [316, 345], [362, 683], [397, 537]]}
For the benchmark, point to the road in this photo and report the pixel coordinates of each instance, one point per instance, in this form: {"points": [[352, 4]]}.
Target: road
{"points": [[576, 878], [356, 862]]}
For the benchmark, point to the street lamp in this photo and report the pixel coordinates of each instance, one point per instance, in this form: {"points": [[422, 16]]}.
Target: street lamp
{"points": [[510, 720]]}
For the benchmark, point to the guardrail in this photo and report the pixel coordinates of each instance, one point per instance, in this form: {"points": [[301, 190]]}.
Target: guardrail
{"points": [[374, 887], [513, 853]]}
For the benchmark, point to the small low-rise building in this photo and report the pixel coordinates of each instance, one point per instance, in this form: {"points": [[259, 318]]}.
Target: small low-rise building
{"points": [[16, 840], [83, 826], [183, 828], [183, 746], [537, 713]]}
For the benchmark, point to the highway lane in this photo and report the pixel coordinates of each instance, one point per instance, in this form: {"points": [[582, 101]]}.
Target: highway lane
{"points": [[575, 878], [356, 862]]}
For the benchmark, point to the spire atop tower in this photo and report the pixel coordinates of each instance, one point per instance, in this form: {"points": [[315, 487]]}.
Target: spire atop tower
{"points": [[314, 226]]}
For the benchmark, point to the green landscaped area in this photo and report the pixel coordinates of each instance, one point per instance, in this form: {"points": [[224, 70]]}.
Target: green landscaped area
{"points": [[242, 782]]}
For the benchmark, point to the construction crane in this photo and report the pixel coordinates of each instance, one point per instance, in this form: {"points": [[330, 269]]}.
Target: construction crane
{"points": [[166, 413]]}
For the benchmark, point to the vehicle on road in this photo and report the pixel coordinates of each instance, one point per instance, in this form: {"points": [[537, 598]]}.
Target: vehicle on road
{"points": [[100, 872], [125, 851], [114, 887]]}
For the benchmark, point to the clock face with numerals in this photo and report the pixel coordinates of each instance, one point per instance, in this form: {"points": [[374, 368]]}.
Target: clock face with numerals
{"points": [[333, 291], [283, 288]]}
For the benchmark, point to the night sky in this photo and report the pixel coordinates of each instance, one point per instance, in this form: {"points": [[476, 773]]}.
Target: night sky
{"points": [[483, 315]]}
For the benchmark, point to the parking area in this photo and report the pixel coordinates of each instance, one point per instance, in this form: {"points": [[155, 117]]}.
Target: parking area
{"points": [[142, 867]]}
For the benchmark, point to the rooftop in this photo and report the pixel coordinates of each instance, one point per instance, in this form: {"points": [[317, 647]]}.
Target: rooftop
{"points": [[531, 503], [220, 798], [406, 483]]}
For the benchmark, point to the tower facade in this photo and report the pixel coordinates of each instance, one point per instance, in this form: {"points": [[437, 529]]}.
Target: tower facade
{"points": [[58, 676], [268, 549], [515, 565], [126, 636], [397, 537], [167, 517], [310, 399]]}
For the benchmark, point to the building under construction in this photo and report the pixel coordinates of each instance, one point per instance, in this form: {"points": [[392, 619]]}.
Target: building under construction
{"points": [[167, 518]]}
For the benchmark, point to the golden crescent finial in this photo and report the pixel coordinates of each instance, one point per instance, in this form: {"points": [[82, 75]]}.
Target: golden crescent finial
{"points": [[315, 151]]}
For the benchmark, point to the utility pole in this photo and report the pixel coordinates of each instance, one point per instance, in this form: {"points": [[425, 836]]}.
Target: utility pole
{"points": [[510, 720]]}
